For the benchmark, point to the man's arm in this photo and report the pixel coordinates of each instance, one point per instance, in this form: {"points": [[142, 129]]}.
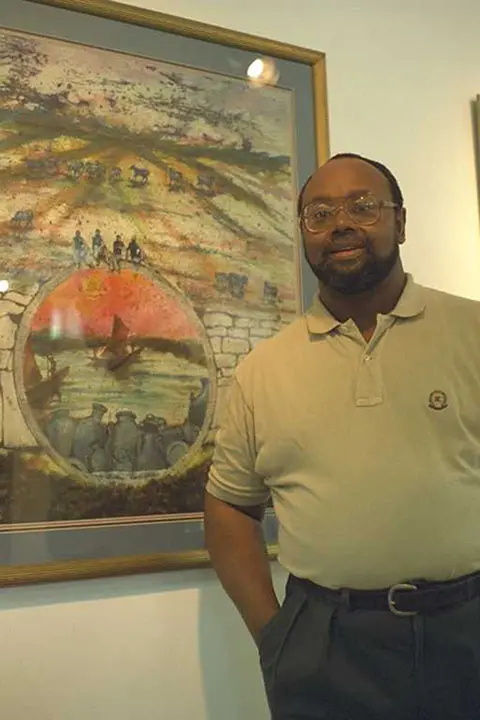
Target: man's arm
{"points": [[234, 502], [235, 542]]}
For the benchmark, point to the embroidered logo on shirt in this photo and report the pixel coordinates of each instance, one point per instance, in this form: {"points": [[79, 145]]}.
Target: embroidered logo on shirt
{"points": [[437, 400]]}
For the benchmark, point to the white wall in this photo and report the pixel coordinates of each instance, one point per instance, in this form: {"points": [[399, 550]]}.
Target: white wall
{"points": [[153, 647], [401, 77]]}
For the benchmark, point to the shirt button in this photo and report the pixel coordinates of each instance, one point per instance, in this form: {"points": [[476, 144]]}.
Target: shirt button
{"points": [[367, 358]]}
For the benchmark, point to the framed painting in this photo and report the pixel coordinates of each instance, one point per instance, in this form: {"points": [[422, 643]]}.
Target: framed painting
{"points": [[149, 169]]}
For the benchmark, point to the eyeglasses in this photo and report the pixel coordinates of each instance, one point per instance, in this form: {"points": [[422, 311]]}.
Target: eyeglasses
{"points": [[319, 215]]}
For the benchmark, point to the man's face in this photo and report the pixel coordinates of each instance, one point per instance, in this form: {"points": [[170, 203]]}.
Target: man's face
{"points": [[348, 257]]}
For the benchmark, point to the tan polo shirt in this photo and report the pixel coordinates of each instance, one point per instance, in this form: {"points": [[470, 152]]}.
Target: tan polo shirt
{"points": [[370, 451]]}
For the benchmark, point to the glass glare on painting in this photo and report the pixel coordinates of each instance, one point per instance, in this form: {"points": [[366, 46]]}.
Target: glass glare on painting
{"points": [[147, 245]]}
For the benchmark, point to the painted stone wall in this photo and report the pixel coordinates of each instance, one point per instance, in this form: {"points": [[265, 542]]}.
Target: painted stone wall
{"points": [[232, 338]]}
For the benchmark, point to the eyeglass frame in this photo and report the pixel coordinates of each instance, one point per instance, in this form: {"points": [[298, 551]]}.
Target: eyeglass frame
{"points": [[342, 206]]}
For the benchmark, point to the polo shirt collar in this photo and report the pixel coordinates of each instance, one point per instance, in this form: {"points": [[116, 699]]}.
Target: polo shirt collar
{"points": [[410, 304], [319, 320]]}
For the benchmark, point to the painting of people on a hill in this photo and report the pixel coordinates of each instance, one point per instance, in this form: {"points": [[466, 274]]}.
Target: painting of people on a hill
{"points": [[148, 244], [197, 167], [149, 169]]}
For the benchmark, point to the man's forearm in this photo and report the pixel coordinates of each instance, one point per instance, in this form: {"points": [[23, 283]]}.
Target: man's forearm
{"points": [[237, 550]]}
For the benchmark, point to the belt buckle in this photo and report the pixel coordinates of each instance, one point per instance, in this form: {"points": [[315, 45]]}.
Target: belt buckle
{"points": [[391, 599]]}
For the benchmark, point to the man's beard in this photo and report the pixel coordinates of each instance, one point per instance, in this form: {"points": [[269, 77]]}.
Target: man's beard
{"points": [[352, 281]]}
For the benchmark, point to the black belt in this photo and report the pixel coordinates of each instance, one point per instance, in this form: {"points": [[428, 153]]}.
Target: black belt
{"points": [[409, 598]]}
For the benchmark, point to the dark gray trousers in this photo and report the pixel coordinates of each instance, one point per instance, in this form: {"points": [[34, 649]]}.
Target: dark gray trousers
{"points": [[323, 661]]}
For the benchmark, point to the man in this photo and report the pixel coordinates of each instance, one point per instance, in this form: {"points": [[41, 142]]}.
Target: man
{"points": [[118, 247], [118, 253], [98, 247], [135, 251], [361, 421], [80, 253]]}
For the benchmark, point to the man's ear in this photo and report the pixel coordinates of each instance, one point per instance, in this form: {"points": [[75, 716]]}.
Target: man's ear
{"points": [[401, 221]]}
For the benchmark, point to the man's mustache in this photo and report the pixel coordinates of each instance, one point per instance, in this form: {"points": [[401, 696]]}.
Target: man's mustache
{"points": [[346, 241]]}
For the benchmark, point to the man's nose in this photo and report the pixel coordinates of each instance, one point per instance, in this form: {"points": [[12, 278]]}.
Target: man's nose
{"points": [[342, 220]]}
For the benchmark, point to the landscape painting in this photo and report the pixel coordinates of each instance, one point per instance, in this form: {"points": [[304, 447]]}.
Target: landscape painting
{"points": [[147, 246]]}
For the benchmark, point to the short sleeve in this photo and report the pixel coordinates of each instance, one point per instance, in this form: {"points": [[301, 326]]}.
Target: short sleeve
{"points": [[232, 476]]}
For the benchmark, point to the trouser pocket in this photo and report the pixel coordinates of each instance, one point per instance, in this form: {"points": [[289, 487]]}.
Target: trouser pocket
{"points": [[274, 638]]}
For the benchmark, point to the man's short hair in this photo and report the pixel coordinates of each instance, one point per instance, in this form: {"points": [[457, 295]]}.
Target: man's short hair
{"points": [[397, 194]]}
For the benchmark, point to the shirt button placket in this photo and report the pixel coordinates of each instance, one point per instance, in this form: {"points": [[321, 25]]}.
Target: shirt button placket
{"points": [[369, 386]]}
